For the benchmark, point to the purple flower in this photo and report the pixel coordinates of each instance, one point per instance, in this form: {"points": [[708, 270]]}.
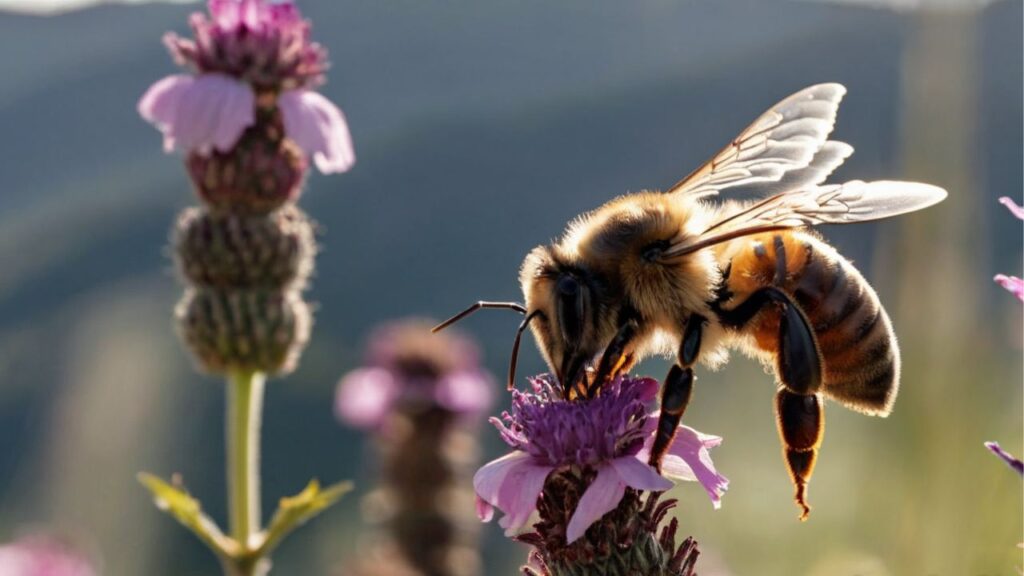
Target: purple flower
{"points": [[40, 556], [610, 434], [1010, 460], [249, 55], [1012, 283], [408, 365]]}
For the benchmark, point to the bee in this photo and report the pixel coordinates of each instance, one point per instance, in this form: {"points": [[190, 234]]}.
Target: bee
{"points": [[687, 274]]}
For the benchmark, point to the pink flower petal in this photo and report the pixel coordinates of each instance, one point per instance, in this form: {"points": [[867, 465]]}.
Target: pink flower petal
{"points": [[694, 462], [159, 105], [210, 111], [465, 392], [1012, 283], [42, 556], [511, 483], [1010, 460], [484, 511], [364, 397], [639, 475], [601, 497], [319, 128], [214, 113], [1017, 211]]}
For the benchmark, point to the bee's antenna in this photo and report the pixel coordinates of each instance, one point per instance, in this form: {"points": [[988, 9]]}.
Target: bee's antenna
{"points": [[479, 305], [515, 347]]}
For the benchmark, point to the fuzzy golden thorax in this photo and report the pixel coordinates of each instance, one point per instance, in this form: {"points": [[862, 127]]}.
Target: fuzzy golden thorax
{"points": [[607, 269]]}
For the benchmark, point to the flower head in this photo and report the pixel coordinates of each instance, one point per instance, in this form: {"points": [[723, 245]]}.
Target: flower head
{"points": [[1012, 283], [264, 44], [406, 364], [609, 435], [40, 556], [248, 56]]}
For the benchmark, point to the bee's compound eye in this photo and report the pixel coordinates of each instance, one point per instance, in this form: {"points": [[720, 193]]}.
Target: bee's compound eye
{"points": [[568, 286]]}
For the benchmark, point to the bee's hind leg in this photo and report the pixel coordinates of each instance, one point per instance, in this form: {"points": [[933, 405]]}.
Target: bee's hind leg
{"points": [[801, 420], [799, 409], [677, 389]]}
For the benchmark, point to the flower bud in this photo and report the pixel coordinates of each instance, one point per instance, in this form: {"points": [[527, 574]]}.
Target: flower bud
{"points": [[263, 172], [225, 250], [244, 330]]}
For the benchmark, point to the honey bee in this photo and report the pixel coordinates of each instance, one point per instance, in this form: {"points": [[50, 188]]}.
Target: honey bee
{"points": [[678, 273]]}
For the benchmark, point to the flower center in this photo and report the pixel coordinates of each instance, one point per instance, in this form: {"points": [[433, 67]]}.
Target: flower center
{"points": [[582, 432]]}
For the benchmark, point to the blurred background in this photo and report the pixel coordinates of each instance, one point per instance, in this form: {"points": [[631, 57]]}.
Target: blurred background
{"points": [[481, 128]]}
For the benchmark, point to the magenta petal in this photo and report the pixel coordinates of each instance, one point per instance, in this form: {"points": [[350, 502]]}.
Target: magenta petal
{"points": [[518, 496], [600, 498], [1012, 283], [159, 105], [319, 128], [511, 483], [364, 397], [214, 113], [199, 113], [465, 392], [1017, 211], [489, 479], [639, 475], [484, 511], [1010, 460], [688, 458]]}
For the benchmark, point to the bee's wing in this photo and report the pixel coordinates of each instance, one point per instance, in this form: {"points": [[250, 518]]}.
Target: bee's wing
{"points": [[854, 201], [784, 140]]}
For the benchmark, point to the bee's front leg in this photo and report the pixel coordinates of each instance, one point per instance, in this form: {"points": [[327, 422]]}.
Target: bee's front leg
{"points": [[615, 356], [677, 389]]}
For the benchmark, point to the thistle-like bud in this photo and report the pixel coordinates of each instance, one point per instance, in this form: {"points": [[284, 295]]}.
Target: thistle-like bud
{"points": [[244, 330], [261, 173], [631, 540], [225, 250]]}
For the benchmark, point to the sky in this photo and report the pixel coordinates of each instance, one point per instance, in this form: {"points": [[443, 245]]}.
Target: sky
{"points": [[56, 6]]}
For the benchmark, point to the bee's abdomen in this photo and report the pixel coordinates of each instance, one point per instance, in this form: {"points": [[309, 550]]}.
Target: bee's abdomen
{"points": [[854, 335]]}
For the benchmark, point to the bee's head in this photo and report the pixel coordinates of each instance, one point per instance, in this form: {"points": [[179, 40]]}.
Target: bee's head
{"points": [[569, 309]]}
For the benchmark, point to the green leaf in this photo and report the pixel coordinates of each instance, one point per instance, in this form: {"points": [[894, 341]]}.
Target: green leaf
{"points": [[296, 510], [186, 510]]}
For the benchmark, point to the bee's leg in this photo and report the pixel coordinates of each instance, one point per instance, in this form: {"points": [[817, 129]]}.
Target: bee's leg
{"points": [[798, 405], [677, 389], [801, 420], [798, 362], [614, 356]]}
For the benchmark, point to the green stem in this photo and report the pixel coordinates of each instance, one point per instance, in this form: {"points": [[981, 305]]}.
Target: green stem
{"points": [[244, 417]]}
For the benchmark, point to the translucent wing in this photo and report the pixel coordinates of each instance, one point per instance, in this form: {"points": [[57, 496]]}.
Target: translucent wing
{"points": [[785, 139], [854, 201]]}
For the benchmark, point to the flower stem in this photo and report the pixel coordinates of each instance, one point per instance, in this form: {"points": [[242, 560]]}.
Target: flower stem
{"points": [[244, 417]]}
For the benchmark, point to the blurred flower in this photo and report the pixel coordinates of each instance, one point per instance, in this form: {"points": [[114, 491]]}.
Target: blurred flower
{"points": [[249, 54], [609, 435], [408, 365], [42, 556], [423, 397], [1012, 283], [1010, 460]]}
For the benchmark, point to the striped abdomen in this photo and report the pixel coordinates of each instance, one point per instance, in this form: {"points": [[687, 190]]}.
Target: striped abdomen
{"points": [[860, 357]]}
